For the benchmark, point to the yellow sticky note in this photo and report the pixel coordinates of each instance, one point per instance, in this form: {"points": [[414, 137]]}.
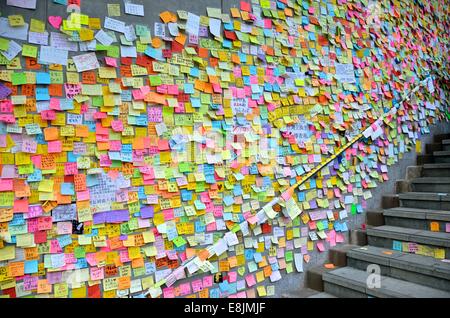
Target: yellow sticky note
{"points": [[114, 9], [46, 186], [418, 147], [7, 253], [29, 50], [16, 20], [37, 26]]}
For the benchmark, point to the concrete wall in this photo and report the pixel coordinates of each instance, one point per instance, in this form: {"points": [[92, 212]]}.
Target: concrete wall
{"points": [[290, 283]]}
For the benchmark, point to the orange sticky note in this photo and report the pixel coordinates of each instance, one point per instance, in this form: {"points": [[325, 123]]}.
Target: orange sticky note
{"points": [[434, 226], [167, 17], [123, 282], [51, 133], [44, 287]]}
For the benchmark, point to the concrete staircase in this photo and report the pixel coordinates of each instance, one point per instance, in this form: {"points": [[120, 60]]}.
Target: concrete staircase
{"points": [[407, 239]]}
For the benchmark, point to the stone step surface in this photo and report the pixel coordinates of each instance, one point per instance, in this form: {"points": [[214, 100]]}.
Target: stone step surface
{"points": [[441, 156], [421, 219], [436, 170], [425, 200], [446, 144], [414, 268], [351, 282], [383, 236], [431, 184]]}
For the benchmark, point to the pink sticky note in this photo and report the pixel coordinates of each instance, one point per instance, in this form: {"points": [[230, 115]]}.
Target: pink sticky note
{"points": [[250, 279], [447, 227], [6, 185], [320, 247], [111, 61], [54, 146], [117, 125], [232, 276], [207, 281]]}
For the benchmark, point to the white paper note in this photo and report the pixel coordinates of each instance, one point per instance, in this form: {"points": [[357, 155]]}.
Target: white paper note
{"points": [[27, 4], [51, 55], [86, 62], [192, 24], [115, 25]]}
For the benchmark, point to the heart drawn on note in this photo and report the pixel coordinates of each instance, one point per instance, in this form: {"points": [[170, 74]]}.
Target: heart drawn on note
{"points": [[55, 21]]}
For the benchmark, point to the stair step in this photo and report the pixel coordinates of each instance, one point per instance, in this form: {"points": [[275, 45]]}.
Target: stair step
{"points": [[414, 268], [352, 282], [425, 200], [322, 295], [436, 170], [446, 144], [304, 293], [420, 219], [431, 184], [382, 236], [441, 156]]}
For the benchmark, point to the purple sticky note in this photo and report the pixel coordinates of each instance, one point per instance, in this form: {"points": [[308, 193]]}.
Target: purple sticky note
{"points": [[54, 277], [117, 216], [147, 212], [4, 91], [99, 218], [447, 227]]}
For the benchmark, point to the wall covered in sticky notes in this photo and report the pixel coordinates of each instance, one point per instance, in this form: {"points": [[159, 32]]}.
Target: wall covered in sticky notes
{"points": [[161, 149]]}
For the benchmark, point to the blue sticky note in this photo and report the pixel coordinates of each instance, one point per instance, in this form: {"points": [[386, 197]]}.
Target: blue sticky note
{"points": [[257, 257], [31, 267], [42, 94], [397, 245], [67, 188], [188, 88], [42, 78], [228, 200]]}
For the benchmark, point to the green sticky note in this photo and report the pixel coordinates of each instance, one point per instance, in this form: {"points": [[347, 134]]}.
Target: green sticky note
{"points": [[320, 226], [289, 268], [179, 241], [79, 252], [155, 80], [184, 167], [353, 211], [19, 78], [289, 256], [4, 44], [29, 50]]}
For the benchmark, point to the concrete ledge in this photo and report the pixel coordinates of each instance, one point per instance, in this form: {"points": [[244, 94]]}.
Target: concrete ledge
{"points": [[374, 217], [402, 186], [356, 280], [313, 279], [358, 237], [338, 255], [390, 201], [413, 172]]}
